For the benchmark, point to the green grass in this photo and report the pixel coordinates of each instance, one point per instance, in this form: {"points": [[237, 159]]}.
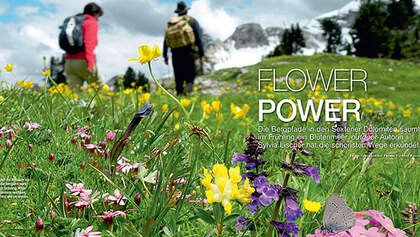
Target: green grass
{"points": [[158, 213]]}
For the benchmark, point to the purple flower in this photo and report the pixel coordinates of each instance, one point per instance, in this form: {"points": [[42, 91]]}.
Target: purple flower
{"points": [[313, 172], [286, 229], [259, 183], [242, 223], [292, 210], [268, 194], [238, 157], [254, 204]]}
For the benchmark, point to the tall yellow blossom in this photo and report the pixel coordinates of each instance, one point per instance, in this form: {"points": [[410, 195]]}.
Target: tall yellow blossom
{"points": [[239, 112], [8, 67], [216, 105], [147, 54], [185, 102], [226, 186]]}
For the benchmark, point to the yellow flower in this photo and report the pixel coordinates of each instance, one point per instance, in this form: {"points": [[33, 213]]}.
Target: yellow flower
{"points": [[195, 88], [176, 127], [46, 72], [128, 91], [216, 105], [111, 93], [185, 102], [105, 88], [147, 54], [407, 113], [311, 206], [225, 187], [239, 112], [145, 97], [8, 67], [389, 113], [1, 98], [24, 84], [164, 108], [132, 84]]}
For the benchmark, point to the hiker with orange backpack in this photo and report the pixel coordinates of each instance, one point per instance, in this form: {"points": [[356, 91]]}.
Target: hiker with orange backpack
{"points": [[79, 37], [182, 32]]}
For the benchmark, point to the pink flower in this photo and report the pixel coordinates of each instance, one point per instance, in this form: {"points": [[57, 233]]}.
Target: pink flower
{"points": [[51, 157], [16, 127], [87, 233], [31, 126], [78, 189], [380, 220], [8, 144], [137, 199], [30, 147], [117, 198], [39, 225], [53, 214], [110, 135], [107, 216]]}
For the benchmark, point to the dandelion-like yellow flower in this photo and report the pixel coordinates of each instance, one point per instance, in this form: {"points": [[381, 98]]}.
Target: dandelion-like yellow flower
{"points": [[239, 112], [147, 54], [185, 102], [144, 98], [177, 126], [226, 186], [1, 98], [24, 84], [164, 108], [46, 72], [8, 67], [216, 105], [407, 113], [105, 88], [311, 206]]}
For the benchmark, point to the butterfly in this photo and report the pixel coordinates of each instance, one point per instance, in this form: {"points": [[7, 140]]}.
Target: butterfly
{"points": [[382, 194], [337, 215]]}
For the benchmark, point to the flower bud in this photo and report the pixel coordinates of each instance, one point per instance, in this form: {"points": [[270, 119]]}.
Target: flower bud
{"points": [[30, 147], [52, 157], [8, 144], [39, 225]]}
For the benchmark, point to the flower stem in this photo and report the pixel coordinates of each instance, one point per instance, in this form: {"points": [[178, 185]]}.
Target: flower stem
{"points": [[278, 203], [167, 92]]}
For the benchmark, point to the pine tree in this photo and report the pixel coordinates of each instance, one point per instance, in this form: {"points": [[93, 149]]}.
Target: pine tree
{"points": [[298, 41], [129, 78], [142, 81], [332, 32], [371, 37]]}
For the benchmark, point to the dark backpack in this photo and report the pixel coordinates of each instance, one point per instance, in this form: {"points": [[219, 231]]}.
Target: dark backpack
{"points": [[71, 34]]}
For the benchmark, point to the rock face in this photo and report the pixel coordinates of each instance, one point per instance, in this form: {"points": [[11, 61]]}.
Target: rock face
{"points": [[248, 35]]}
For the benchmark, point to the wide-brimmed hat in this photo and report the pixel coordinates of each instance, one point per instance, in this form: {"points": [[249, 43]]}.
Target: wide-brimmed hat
{"points": [[181, 7]]}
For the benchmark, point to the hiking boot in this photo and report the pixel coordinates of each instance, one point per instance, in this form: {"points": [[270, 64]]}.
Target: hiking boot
{"points": [[189, 87]]}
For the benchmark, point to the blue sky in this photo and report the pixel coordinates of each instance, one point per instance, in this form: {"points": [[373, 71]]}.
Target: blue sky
{"points": [[13, 6]]}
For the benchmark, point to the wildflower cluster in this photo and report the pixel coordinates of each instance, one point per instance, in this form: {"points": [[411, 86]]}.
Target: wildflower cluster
{"points": [[226, 187], [25, 84], [213, 106], [239, 112]]}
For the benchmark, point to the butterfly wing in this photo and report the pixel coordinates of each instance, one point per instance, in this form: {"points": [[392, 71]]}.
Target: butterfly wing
{"points": [[337, 215]]}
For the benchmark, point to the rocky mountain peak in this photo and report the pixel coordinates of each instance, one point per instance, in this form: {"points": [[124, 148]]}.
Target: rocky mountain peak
{"points": [[249, 35]]}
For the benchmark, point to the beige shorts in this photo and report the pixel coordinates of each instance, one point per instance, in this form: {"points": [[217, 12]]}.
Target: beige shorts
{"points": [[77, 74]]}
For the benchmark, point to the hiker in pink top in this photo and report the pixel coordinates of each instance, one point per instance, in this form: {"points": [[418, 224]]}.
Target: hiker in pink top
{"points": [[81, 66]]}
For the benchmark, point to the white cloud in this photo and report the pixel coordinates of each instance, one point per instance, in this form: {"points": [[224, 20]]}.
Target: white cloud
{"points": [[24, 11], [3, 8], [216, 22]]}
